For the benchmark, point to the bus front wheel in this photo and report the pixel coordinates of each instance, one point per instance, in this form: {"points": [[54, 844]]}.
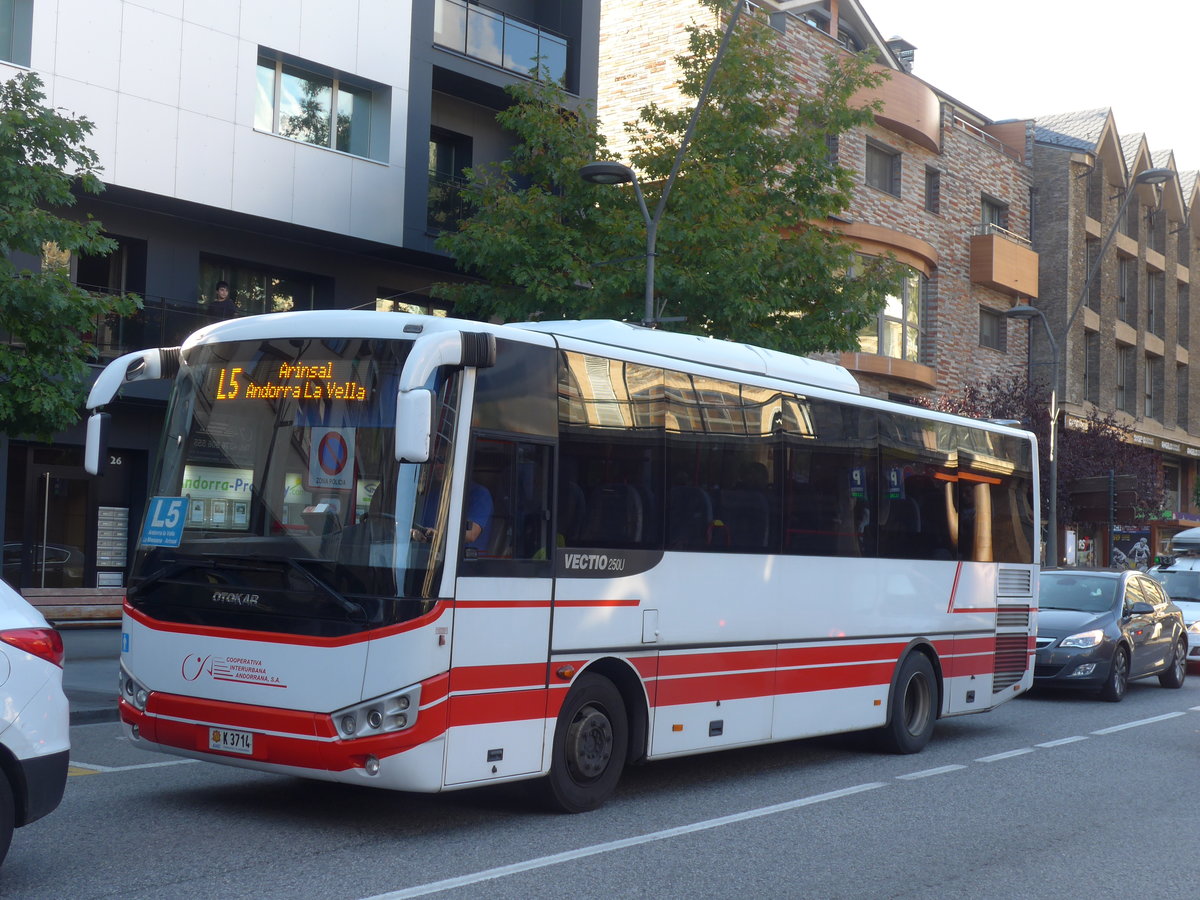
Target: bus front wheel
{"points": [[591, 741], [913, 707]]}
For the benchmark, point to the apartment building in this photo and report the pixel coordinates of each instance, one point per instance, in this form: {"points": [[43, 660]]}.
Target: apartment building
{"points": [[307, 153], [940, 186], [1125, 335]]}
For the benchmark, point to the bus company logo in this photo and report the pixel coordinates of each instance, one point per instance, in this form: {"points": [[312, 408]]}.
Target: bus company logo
{"points": [[232, 598], [242, 669]]}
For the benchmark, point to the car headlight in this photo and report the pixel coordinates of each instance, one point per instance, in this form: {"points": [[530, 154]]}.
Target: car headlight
{"points": [[1091, 638], [1194, 628]]}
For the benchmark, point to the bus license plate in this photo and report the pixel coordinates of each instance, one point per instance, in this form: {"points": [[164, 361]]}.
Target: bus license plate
{"points": [[231, 741]]}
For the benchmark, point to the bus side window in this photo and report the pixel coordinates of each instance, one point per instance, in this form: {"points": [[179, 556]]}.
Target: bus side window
{"points": [[516, 478]]}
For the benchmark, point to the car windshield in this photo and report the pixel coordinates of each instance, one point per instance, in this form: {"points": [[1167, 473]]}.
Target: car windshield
{"points": [[1179, 585], [1086, 593]]}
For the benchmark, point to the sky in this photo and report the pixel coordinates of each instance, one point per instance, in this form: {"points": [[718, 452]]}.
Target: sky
{"points": [[1024, 58]]}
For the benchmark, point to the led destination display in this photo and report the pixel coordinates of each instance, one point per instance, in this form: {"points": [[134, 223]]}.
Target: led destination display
{"points": [[291, 381]]}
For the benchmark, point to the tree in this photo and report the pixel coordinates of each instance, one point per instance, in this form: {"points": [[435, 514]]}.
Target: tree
{"points": [[744, 249], [45, 318], [1101, 446]]}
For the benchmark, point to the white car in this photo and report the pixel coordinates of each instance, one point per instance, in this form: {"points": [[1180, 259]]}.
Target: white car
{"points": [[1180, 578], [35, 736]]}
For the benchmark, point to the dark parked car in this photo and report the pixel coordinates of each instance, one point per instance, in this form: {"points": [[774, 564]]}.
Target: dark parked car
{"points": [[1101, 629]]}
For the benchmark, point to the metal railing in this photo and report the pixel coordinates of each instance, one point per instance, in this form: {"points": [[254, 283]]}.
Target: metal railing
{"points": [[499, 39], [981, 135], [990, 228]]}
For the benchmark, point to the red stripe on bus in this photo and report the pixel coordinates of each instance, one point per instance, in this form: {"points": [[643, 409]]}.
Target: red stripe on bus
{"points": [[720, 661], [274, 637], [803, 681], [494, 678], [839, 654], [600, 603], [486, 709], [708, 688], [501, 604]]}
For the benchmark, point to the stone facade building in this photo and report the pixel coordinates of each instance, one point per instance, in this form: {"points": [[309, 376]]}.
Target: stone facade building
{"points": [[940, 186], [1124, 336]]}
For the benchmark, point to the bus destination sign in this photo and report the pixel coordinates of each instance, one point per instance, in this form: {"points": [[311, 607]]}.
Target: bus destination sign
{"points": [[291, 381]]}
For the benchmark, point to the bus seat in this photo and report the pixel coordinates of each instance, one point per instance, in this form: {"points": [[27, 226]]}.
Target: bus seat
{"points": [[689, 517], [614, 516], [746, 516]]}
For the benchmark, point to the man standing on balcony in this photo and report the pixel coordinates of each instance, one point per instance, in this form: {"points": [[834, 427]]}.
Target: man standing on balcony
{"points": [[223, 305]]}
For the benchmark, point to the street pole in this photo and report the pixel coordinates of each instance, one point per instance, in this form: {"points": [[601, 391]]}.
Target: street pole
{"points": [[603, 172]]}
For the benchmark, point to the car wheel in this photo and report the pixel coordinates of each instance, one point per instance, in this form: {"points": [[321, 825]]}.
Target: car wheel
{"points": [[591, 741], [1176, 672], [1118, 677], [8, 815], [913, 707]]}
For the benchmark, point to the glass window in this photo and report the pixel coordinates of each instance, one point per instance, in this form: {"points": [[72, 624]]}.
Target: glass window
{"points": [[994, 212], [883, 168], [933, 190], [16, 31], [993, 329], [323, 110], [253, 290], [897, 332]]}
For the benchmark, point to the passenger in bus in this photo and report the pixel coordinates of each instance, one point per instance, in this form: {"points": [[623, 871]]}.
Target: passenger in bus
{"points": [[477, 530]]}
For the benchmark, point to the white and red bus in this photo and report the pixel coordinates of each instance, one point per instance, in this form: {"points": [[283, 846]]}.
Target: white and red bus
{"points": [[428, 554]]}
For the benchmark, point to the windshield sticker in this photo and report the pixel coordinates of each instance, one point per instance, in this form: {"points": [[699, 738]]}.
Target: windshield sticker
{"points": [[164, 522], [330, 464]]}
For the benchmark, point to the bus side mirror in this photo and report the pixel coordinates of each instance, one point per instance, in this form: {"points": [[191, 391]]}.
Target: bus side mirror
{"points": [[414, 425], [95, 453]]}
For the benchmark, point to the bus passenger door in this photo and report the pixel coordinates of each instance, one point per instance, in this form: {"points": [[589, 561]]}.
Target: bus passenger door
{"points": [[502, 614]]}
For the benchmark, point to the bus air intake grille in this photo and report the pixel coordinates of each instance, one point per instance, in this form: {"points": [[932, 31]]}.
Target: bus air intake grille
{"points": [[1013, 618], [1012, 659], [1015, 583]]}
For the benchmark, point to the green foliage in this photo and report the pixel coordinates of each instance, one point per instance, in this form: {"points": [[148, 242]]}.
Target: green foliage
{"points": [[43, 316], [739, 253]]}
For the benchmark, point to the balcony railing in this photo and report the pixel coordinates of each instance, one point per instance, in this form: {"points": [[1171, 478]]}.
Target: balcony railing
{"points": [[990, 228], [499, 39]]}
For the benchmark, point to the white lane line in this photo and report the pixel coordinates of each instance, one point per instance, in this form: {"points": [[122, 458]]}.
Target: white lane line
{"points": [[1195, 708], [1149, 721], [1008, 754], [1061, 741], [153, 765], [555, 859], [940, 770]]}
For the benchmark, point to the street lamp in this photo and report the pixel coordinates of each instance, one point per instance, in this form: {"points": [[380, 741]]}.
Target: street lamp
{"points": [[1023, 311], [618, 173], [1027, 312]]}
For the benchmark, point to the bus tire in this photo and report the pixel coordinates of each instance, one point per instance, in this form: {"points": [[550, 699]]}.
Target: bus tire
{"points": [[912, 708], [591, 742]]}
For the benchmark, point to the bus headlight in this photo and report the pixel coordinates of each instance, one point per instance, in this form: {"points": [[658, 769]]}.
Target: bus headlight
{"points": [[391, 712], [132, 691]]}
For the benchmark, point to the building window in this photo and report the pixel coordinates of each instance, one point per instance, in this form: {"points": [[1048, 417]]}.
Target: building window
{"points": [[994, 212], [1129, 226], [1125, 374], [933, 190], [416, 302], [1126, 288], [1154, 299], [449, 155], [254, 289], [493, 37], [1149, 395], [324, 110], [1181, 395], [16, 31], [1184, 323], [831, 150], [1093, 298], [993, 329], [1091, 367], [883, 168], [897, 332]]}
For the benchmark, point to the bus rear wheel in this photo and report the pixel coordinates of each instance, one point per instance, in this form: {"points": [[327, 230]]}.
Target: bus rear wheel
{"points": [[591, 742], [912, 708]]}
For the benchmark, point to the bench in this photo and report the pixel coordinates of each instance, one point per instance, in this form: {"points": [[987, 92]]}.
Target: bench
{"points": [[77, 606]]}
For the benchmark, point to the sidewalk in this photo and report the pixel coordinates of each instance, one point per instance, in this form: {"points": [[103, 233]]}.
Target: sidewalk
{"points": [[91, 668]]}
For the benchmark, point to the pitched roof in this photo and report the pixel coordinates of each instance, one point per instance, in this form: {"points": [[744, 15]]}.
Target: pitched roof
{"points": [[1079, 130]]}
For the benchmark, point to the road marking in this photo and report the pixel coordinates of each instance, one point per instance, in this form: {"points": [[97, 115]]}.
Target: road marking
{"points": [[83, 768], [1009, 754], [542, 862], [1061, 741], [940, 770], [1149, 721]]}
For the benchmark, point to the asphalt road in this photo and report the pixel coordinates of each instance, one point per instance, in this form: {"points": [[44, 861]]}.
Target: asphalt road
{"points": [[1049, 796]]}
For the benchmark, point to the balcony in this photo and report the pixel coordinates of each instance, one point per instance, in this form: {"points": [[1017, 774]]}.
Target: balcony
{"points": [[1004, 262], [910, 108], [499, 39]]}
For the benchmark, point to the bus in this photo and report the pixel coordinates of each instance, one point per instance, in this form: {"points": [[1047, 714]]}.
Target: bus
{"points": [[427, 554]]}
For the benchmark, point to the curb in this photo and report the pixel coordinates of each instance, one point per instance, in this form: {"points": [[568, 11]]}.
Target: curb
{"points": [[94, 716]]}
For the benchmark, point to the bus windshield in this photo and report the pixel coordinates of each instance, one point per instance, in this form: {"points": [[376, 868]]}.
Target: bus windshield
{"points": [[297, 518]]}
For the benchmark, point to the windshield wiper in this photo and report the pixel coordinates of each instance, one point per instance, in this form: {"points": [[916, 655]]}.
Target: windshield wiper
{"points": [[357, 614]]}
